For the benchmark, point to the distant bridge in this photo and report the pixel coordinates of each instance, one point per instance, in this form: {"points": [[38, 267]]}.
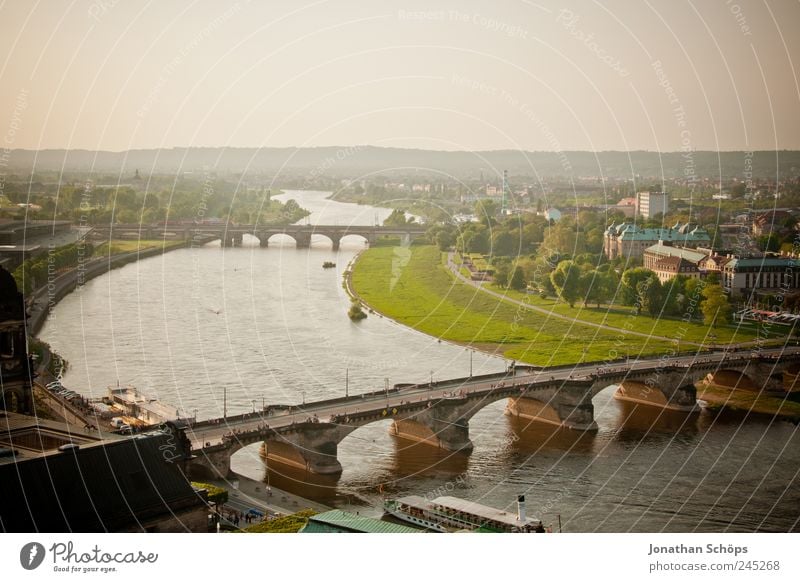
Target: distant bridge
{"points": [[438, 413], [232, 235]]}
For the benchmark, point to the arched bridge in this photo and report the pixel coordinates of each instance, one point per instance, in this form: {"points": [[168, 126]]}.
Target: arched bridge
{"points": [[232, 235], [438, 413]]}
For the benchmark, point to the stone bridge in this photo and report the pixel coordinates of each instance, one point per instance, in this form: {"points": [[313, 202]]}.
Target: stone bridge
{"points": [[232, 235], [439, 413]]}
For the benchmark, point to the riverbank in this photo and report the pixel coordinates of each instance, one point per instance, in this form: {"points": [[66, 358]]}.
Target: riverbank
{"points": [[777, 405], [414, 287], [411, 286]]}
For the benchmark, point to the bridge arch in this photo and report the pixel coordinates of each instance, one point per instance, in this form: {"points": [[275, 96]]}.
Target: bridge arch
{"points": [[731, 378], [353, 237]]}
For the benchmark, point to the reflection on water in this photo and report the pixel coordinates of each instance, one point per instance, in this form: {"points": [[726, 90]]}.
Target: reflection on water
{"points": [[199, 327]]}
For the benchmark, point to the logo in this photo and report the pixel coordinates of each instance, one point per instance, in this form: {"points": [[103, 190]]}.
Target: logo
{"points": [[31, 555]]}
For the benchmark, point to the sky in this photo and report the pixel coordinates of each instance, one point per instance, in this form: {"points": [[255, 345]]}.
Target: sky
{"points": [[664, 75]]}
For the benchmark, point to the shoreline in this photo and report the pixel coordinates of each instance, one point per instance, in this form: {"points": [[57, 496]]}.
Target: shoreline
{"points": [[353, 294]]}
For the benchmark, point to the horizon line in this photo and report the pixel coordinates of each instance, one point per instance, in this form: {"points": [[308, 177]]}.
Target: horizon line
{"points": [[364, 146]]}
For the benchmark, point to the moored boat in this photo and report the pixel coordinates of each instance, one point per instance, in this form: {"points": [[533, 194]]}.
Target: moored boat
{"points": [[449, 514]]}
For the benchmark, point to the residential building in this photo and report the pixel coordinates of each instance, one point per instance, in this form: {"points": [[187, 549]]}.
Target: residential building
{"points": [[648, 204]]}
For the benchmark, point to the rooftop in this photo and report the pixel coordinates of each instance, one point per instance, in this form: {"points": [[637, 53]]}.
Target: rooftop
{"points": [[336, 520], [690, 255]]}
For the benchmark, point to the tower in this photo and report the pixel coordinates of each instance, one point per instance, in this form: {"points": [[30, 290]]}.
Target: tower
{"points": [[506, 196]]}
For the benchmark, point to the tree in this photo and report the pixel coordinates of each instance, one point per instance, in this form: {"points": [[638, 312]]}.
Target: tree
{"points": [[673, 293], [444, 240], [566, 281], [693, 296], [477, 243], [486, 211], [503, 244], [518, 279], [769, 242], [355, 312], [630, 284], [716, 307], [650, 296], [501, 273], [396, 218], [599, 286]]}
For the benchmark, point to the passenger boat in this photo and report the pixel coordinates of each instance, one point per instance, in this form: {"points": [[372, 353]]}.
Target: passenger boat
{"points": [[449, 514]]}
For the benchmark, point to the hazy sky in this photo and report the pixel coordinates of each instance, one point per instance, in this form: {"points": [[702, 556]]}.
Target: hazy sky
{"points": [[507, 74]]}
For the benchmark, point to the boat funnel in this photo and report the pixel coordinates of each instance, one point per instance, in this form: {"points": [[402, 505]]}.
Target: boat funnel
{"points": [[521, 508]]}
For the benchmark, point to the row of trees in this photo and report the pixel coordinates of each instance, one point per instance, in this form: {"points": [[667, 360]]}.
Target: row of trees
{"points": [[34, 272], [583, 280], [181, 200]]}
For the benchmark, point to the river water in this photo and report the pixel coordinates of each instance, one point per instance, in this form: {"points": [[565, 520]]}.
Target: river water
{"points": [[204, 328]]}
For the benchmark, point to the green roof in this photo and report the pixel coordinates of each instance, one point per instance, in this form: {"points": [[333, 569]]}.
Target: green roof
{"points": [[336, 521], [763, 262]]}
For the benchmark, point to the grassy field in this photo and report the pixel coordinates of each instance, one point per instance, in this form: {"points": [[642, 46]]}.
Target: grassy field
{"points": [[413, 287], [623, 317], [118, 247]]}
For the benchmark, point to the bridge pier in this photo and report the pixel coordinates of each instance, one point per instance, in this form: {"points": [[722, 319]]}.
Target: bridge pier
{"points": [[336, 241], [567, 404], [314, 447], [209, 463], [443, 426], [263, 241], [303, 240], [237, 239]]}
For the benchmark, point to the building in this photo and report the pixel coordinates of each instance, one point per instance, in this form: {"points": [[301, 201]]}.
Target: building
{"points": [[630, 241], [777, 221], [59, 479], [667, 261], [741, 277], [336, 521], [626, 206], [553, 214], [767, 275], [16, 365], [648, 204]]}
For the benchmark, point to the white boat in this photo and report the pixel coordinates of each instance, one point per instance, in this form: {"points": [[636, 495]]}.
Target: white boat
{"points": [[448, 514]]}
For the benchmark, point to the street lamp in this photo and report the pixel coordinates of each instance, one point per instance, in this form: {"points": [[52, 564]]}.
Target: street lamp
{"points": [[254, 406], [347, 382], [194, 411], [470, 362]]}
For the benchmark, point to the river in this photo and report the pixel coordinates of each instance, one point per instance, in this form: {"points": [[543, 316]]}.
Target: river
{"points": [[198, 327]]}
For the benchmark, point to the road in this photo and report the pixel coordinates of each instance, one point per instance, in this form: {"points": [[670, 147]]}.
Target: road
{"points": [[456, 388]]}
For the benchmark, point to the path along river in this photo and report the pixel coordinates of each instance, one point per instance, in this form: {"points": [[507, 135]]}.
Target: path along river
{"points": [[270, 325]]}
